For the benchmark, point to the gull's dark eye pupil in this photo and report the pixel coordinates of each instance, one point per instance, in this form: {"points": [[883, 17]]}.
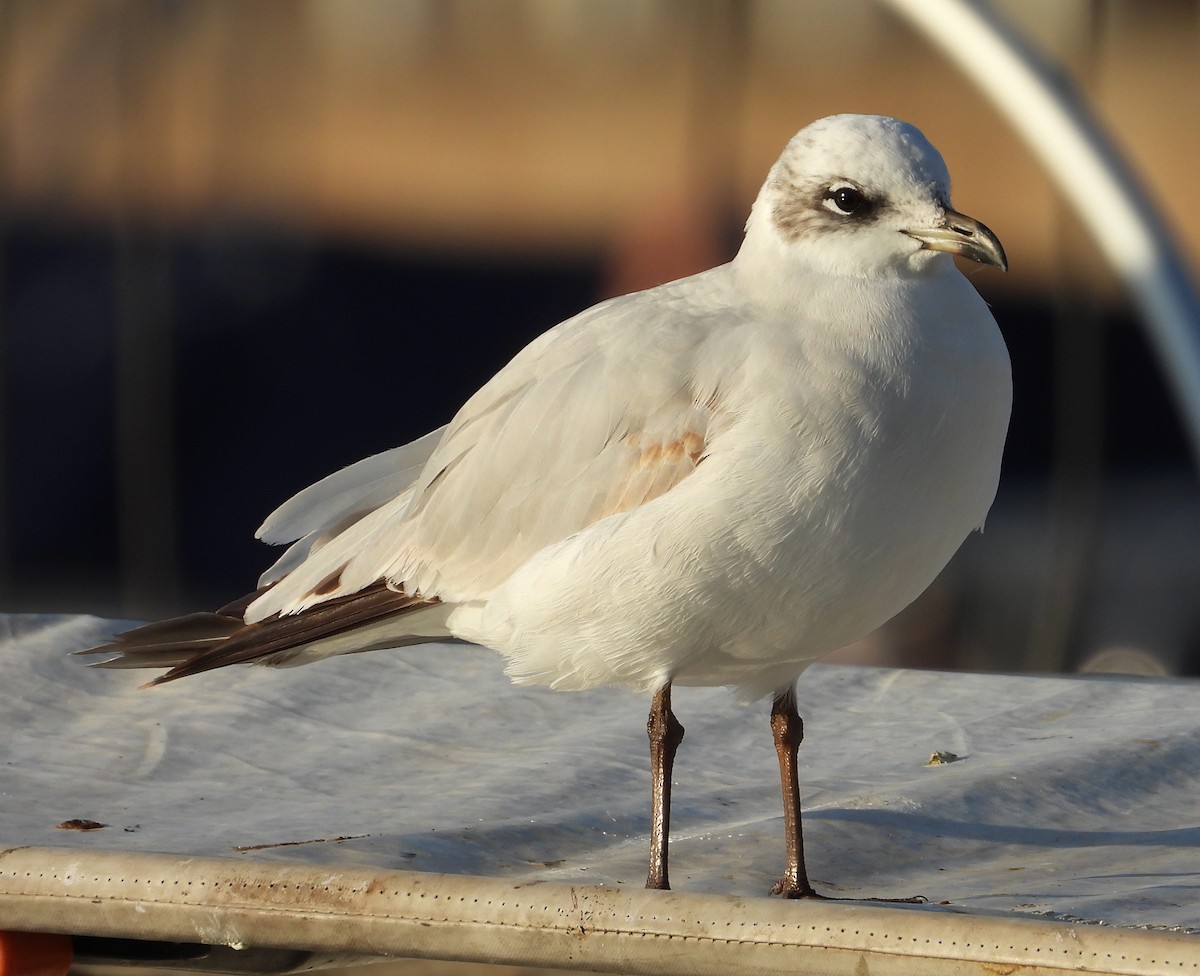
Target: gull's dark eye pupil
{"points": [[844, 199]]}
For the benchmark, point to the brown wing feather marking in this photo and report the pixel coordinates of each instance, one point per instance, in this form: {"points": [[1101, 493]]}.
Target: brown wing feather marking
{"points": [[166, 643], [259, 640], [204, 641], [658, 467], [330, 582]]}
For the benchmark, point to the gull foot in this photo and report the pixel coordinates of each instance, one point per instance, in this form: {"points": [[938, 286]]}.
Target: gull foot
{"points": [[787, 887]]}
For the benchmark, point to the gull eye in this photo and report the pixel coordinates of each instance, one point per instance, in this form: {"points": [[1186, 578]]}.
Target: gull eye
{"points": [[844, 199]]}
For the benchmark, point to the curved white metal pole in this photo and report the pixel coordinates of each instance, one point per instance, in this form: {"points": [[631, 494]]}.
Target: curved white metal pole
{"points": [[1044, 108]]}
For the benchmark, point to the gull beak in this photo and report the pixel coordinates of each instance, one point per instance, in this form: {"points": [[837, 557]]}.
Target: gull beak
{"points": [[962, 235]]}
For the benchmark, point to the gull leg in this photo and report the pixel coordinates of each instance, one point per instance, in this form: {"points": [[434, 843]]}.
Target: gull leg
{"points": [[665, 735], [788, 730]]}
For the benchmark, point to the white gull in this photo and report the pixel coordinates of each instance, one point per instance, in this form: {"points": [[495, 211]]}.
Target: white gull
{"points": [[712, 482]]}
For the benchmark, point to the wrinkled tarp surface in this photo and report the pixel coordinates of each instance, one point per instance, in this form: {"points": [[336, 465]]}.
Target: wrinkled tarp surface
{"points": [[1070, 796]]}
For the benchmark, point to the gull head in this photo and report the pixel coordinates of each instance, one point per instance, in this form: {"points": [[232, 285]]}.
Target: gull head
{"points": [[861, 196]]}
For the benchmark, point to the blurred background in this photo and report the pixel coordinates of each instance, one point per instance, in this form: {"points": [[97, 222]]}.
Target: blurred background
{"points": [[245, 243]]}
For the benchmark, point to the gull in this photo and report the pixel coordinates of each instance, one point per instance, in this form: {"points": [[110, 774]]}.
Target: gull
{"points": [[715, 481]]}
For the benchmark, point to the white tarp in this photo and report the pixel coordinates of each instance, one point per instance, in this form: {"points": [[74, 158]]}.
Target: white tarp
{"points": [[1071, 797]]}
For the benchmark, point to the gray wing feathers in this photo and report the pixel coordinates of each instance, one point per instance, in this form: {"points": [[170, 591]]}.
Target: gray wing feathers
{"points": [[327, 508], [586, 423], [566, 435]]}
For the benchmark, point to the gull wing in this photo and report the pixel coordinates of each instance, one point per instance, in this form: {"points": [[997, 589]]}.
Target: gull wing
{"points": [[596, 417], [330, 506]]}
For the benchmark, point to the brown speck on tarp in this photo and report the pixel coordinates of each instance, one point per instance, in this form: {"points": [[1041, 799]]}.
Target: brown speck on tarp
{"points": [[78, 824]]}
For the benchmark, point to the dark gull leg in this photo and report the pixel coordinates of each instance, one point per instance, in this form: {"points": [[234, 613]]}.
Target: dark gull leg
{"points": [[788, 730], [665, 735]]}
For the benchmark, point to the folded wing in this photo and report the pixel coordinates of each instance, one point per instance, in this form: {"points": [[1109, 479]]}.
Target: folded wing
{"points": [[571, 432]]}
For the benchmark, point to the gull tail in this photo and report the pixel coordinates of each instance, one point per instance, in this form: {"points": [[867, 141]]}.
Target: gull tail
{"points": [[373, 618]]}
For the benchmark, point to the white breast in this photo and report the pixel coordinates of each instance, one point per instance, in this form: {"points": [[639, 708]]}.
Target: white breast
{"points": [[855, 463]]}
